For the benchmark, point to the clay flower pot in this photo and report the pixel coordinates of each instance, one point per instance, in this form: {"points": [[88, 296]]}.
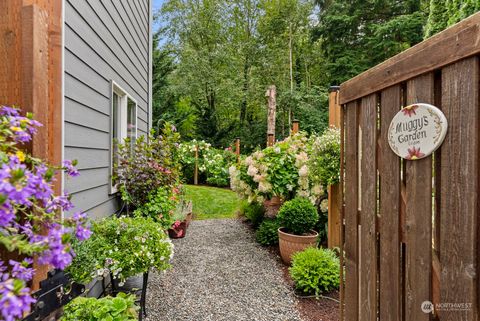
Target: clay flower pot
{"points": [[291, 243], [272, 206], [178, 230]]}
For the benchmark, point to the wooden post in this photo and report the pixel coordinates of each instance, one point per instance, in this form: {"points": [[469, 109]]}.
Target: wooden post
{"points": [[270, 140], [334, 191], [195, 174], [272, 110], [237, 149], [295, 126], [31, 78]]}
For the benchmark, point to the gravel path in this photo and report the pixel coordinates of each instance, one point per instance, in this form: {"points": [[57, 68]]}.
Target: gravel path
{"points": [[220, 273]]}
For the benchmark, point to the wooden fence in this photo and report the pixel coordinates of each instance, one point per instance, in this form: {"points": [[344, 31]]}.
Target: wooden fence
{"points": [[411, 227]]}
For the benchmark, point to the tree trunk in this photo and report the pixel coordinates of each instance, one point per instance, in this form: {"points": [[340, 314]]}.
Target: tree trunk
{"points": [[272, 109]]}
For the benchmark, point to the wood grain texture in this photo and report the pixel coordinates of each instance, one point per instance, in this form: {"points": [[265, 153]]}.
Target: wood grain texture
{"points": [[389, 169], [368, 189], [334, 191], [457, 42], [418, 272], [351, 209], [459, 177]]}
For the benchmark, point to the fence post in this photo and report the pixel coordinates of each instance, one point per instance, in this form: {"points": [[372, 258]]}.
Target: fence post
{"points": [[237, 148], [334, 191], [270, 139], [295, 126], [195, 174]]}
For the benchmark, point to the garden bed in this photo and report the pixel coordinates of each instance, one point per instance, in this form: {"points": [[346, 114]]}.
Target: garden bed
{"points": [[311, 309]]}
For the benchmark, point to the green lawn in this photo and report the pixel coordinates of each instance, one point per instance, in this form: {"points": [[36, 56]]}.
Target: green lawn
{"points": [[212, 202]]}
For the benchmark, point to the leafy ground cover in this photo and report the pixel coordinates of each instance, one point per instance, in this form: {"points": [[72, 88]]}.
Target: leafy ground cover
{"points": [[212, 202]]}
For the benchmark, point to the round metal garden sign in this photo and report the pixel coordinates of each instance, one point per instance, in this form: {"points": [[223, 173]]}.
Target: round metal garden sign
{"points": [[417, 131]]}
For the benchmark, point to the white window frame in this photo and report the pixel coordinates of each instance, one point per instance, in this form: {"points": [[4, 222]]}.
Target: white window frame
{"points": [[122, 119]]}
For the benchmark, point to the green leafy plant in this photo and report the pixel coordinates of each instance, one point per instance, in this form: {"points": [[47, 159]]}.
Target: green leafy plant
{"points": [[315, 271], [298, 216], [213, 163], [160, 206], [151, 164], [267, 233], [119, 308], [281, 170], [254, 212], [125, 247]]}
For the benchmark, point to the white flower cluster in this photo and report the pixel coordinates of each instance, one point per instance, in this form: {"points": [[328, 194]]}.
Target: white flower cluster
{"points": [[277, 171]]}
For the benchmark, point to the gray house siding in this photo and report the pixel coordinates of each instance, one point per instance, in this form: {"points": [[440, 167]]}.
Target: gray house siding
{"points": [[104, 41]]}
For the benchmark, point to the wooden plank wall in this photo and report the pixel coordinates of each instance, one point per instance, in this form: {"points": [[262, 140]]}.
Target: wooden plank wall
{"points": [[412, 227], [31, 73]]}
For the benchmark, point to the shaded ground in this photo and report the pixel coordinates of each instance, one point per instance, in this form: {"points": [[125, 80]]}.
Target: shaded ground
{"points": [[220, 273], [212, 202]]}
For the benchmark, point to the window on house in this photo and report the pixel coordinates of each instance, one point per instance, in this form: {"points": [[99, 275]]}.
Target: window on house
{"points": [[123, 124]]}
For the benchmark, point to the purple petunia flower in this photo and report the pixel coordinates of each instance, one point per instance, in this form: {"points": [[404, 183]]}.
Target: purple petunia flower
{"points": [[20, 270], [70, 169]]}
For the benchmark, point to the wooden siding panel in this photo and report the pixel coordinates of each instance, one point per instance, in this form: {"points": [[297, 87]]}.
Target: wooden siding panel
{"points": [[90, 57], [92, 200], [77, 23], [118, 28], [89, 178], [459, 202], [86, 116], [103, 42], [418, 274], [351, 212], [78, 91], [389, 168], [79, 136], [368, 190], [91, 158], [112, 45]]}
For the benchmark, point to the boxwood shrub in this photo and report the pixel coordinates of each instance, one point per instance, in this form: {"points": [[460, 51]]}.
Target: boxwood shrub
{"points": [[267, 233], [254, 212], [315, 270], [298, 216]]}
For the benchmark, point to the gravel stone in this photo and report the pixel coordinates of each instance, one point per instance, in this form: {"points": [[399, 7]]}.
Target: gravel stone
{"points": [[220, 273]]}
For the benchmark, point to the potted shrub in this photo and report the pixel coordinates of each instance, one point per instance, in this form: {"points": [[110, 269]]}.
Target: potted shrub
{"points": [[297, 218]]}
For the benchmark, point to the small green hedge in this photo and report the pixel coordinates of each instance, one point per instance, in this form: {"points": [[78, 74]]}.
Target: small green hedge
{"points": [[298, 216], [267, 233], [254, 212], [315, 271]]}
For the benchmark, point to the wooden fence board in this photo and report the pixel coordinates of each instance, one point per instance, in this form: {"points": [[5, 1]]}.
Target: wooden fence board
{"points": [[389, 168], [459, 177], [453, 44], [418, 274], [368, 235], [335, 197], [351, 210]]}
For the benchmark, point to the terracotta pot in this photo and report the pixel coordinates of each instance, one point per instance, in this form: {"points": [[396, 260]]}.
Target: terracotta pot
{"points": [[189, 218], [291, 243], [272, 206], [178, 232]]}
